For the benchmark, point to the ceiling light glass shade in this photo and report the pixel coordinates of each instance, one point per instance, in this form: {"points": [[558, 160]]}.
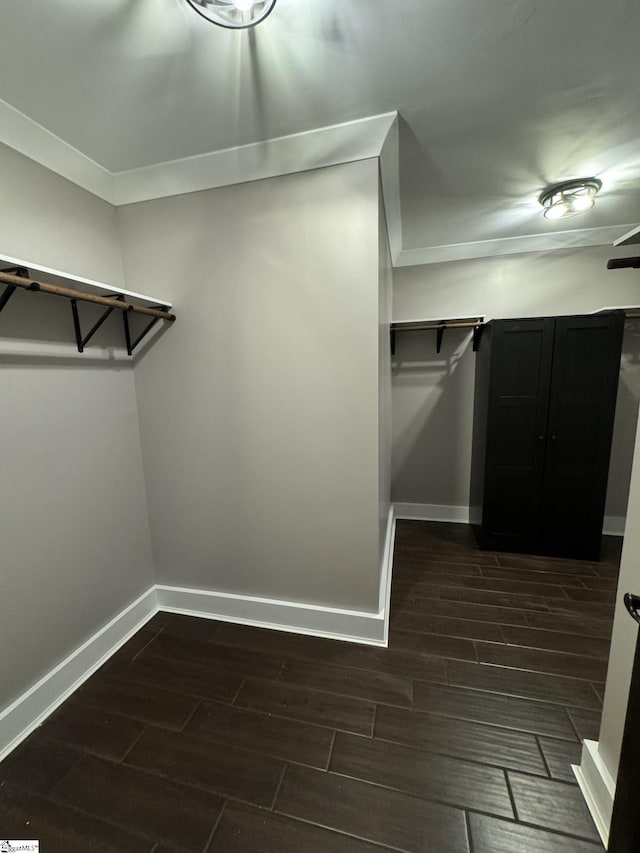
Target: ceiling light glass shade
{"points": [[233, 14], [570, 198]]}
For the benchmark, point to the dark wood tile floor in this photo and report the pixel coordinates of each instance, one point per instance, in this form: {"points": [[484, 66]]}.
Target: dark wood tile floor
{"points": [[203, 736]]}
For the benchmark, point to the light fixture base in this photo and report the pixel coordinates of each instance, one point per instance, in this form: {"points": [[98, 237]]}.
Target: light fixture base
{"points": [[569, 197], [233, 14]]}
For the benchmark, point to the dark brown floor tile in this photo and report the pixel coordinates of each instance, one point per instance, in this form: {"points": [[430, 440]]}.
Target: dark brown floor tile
{"points": [[118, 662], [92, 730], [191, 678], [516, 586], [598, 596], [145, 805], [587, 723], [228, 659], [584, 626], [560, 755], [38, 764], [419, 645], [556, 641], [433, 777], [372, 813], [598, 609], [138, 701], [464, 612], [246, 829], [491, 835], [60, 829], [466, 596], [310, 706], [606, 584], [279, 644], [559, 578], [599, 691], [538, 660], [552, 805], [528, 685], [460, 739], [209, 764], [510, 712], [429, 624], [189, 627], [416, 567], [412, 660], [532, 563], [287, 739], [457, 554], [359, 683]]}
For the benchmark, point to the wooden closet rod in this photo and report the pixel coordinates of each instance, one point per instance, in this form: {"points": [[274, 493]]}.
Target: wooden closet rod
{"points": [[68, 293]]}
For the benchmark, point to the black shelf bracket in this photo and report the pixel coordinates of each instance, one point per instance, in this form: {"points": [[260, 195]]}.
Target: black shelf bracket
{"points": [[15, 278], [440, 326], [83, 341], [10, 289]]}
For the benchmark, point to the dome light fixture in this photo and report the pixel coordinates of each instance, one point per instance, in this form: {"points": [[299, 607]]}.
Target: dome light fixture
{"points": [[570, 198], [233, 14]]}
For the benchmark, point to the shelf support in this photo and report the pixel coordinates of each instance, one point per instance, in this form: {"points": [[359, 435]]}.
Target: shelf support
{"points": [[439, 337], [18, 277]]}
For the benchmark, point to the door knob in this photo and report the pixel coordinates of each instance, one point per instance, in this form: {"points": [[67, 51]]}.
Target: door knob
{"points": [[632, 603]]}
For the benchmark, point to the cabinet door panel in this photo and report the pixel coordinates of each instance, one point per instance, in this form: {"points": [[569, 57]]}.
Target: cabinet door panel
{"points": [[520, 376], [586, 364]]}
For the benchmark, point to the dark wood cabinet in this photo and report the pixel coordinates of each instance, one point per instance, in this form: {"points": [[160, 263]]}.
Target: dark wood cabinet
{"points": [[544, 406]]}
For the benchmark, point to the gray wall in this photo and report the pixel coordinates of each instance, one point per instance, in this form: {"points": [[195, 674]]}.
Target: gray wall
{"points": [[259, 410], [433, 394], [74, 539]]}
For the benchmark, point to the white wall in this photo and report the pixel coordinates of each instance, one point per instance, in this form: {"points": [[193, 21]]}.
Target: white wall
{"points": [[385, 297], [433, 394], [74, 538], [625, 632], [259, 411]]}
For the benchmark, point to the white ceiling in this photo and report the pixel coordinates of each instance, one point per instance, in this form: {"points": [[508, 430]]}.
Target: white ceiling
{"points": [[497, 98]]}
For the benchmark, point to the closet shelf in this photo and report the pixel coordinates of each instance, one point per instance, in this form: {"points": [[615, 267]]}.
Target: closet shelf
{"points": [[18, 277], [476, 323]]}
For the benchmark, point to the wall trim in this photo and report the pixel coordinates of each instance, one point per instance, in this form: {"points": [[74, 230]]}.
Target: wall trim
{"points": [[597, 786], [355, 626], [345, 142], [613, 525], [386, 571], [549, 242], [27, 137], [24, 715], [350, 141], [431, 512]]}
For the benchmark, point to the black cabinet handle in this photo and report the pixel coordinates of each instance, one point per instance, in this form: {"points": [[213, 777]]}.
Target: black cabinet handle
{"points": [[632, 603], [554, 438], [540, 438]]}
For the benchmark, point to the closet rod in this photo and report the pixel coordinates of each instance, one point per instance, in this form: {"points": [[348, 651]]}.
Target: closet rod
{"points": [[68, 293], [425, 327]]}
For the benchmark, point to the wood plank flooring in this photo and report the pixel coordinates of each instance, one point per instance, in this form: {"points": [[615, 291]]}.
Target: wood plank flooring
{"points": [[205, 737]]}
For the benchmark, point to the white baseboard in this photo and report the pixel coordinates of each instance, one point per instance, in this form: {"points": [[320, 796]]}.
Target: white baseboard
{"points": [[597, 786], [36, 704], [355, 626], [613, 525], [431, 512]]}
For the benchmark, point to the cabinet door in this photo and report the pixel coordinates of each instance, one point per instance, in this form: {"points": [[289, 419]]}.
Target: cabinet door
{"points": [[584, 386], [516, 431]]}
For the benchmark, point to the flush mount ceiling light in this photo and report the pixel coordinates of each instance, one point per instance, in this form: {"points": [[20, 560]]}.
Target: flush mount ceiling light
{"points": [[569, 198], [233, 14]]}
